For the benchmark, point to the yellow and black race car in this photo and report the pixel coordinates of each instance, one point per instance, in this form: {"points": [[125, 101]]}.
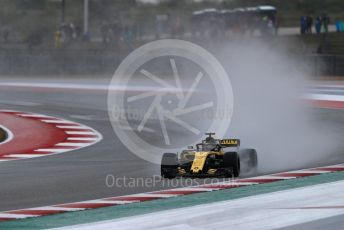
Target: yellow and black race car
{"points": [[211, 157]]}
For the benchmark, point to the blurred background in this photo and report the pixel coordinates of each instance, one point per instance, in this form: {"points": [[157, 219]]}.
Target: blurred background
{"points": [[92, 36]]}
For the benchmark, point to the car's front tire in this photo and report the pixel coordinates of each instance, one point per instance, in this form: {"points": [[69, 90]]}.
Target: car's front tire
{"points": [[169, 165]]}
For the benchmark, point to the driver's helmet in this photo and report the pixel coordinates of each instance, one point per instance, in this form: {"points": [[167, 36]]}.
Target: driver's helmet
{"points": [[210, 140]]}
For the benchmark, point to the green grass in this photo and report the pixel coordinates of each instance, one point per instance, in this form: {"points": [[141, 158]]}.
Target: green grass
{"points": [[3, 135]]}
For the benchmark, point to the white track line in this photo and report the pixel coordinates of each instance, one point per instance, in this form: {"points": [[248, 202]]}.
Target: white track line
{"points": [[16, 216], [72, 127], [71, 144], [24, 155], [82, 138], [156, 195], [326, 97], [54, 208], [80, 132], [282, 177], [57, 121], [332, 167], [53, 150], [102, 201], [34, 115], [193, 189], [272, 177], [307, 171]]}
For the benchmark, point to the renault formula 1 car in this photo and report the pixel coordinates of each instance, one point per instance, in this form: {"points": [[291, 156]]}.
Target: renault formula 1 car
{"points": [[211, 157]]}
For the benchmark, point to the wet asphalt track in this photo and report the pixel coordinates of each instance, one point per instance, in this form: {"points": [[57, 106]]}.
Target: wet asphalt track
{"points": [[81, 174]]}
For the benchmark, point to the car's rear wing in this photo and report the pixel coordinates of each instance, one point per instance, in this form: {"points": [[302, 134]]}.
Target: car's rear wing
{"points": [[230, 142]]}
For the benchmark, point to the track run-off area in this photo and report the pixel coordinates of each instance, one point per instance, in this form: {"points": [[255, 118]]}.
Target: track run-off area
{"points": [[297, 208], [163, 194]]}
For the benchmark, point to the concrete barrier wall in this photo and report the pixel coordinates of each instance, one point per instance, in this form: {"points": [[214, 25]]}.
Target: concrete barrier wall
{"points": [[95, 63], [332, 65], [36, 64]]}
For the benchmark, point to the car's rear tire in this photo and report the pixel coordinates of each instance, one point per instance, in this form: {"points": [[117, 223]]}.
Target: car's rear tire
{"points": [[231, 162], [169, 165]]}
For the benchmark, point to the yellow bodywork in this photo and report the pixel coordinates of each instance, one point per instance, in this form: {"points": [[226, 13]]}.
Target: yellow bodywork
{"points": [[199, 160]]}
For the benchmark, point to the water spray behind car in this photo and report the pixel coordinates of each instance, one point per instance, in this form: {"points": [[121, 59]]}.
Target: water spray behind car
{"points": [[269, 111]]}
